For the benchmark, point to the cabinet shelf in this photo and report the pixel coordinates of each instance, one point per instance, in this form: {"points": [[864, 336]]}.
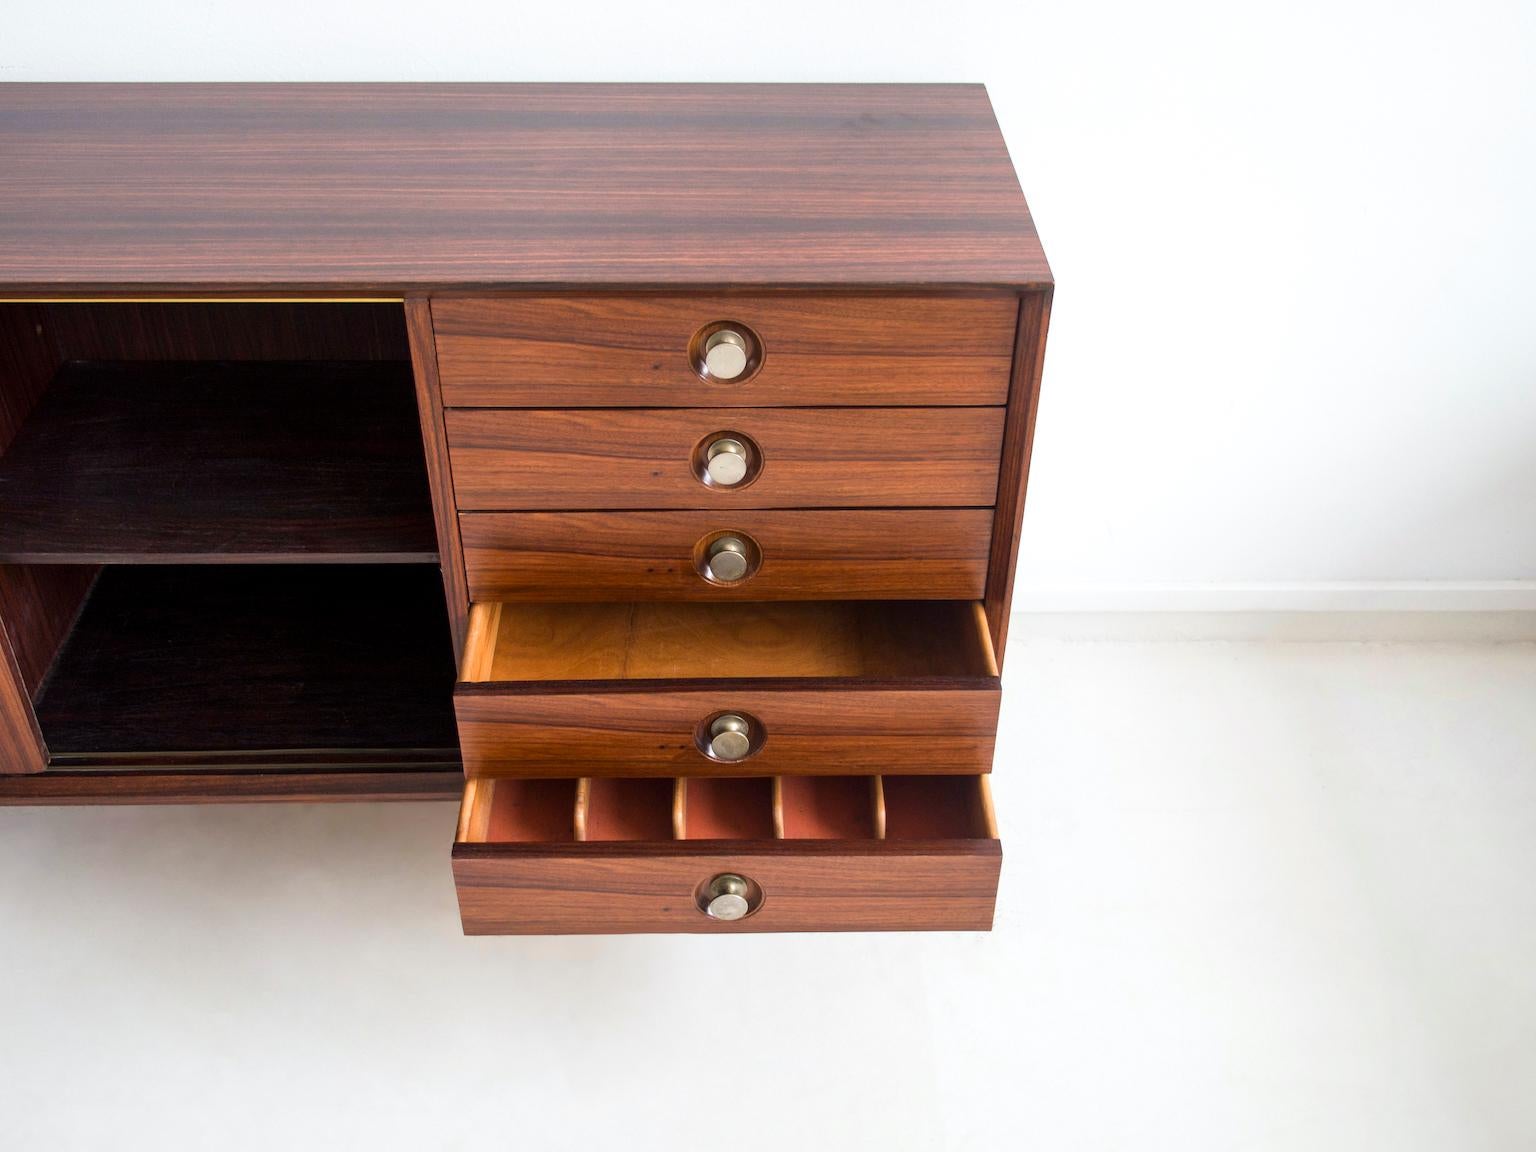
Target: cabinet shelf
{"points": [[204, 462], [266, 666]]}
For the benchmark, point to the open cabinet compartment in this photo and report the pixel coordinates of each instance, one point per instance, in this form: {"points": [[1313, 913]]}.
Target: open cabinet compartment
{"points": [[217, 545], [817, 852], [254, 665], [839, 687]]}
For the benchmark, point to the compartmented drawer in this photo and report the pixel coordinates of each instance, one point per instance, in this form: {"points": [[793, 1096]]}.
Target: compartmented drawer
{"points": [[724, 458], [597, 351], [727, 854], [843, 554], [662, 689]]}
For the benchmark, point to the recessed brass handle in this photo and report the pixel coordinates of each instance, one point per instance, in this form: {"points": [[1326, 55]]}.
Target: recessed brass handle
{"points": [[730, 737], [726, 353], [726, 462], [727, 897], [727, 560]]}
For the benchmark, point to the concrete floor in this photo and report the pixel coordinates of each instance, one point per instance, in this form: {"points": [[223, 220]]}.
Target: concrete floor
{"points": [[1256, 895]]}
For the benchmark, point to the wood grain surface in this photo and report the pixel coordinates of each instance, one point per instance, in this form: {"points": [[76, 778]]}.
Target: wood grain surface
{"points": [[852, 554], [1018, 446], [568, 459], [648, 728], [562, 809], [21, 741], [245, 786], [36, 605], [808, 886], [307, 663], [613, 351], [219, 462], [647, 640], [395, 188], [434, 436], [28, 360], [220, 330], [39, 604]]}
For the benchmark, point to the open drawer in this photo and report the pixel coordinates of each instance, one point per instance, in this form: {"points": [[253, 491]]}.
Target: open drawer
{"points": [[731, 854], [781, 688]]}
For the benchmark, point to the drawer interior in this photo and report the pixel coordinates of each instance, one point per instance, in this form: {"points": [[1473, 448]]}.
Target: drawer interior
{"points": [[661, 641], [594, 809]]}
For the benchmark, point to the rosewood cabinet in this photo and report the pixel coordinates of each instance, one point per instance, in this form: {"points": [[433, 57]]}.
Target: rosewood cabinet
{"points": [[519, 444]]}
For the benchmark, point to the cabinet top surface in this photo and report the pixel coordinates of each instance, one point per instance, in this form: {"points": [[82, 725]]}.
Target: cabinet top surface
{"points": [[393, 188]]}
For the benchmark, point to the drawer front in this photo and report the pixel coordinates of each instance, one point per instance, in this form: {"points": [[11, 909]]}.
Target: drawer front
{"points": [[910, 554], [637, 729], [654, 458], [734, 854], [644, 351], [809, 887]]}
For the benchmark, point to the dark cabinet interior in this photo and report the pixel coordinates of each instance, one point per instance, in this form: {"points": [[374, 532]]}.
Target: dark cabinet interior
{"points": [[217, 549]]}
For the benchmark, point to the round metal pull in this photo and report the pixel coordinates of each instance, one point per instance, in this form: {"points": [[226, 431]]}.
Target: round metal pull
{"points": [[727, 560], [730, 737], [727, 897], [726, 353], [725, 460]]}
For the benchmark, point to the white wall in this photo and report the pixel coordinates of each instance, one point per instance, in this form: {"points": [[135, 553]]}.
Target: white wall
{"points": [[1293, 342]]}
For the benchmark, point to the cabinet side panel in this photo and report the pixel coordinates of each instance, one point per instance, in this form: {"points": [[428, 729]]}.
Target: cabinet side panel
{"points": [[429, 401], [36, 606], [21, 744], [1018, 442]]}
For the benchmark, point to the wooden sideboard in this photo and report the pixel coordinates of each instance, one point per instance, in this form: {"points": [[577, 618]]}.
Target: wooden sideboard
{"points": [[642, 465]]}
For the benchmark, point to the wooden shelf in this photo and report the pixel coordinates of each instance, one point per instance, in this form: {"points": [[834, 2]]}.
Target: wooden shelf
{"points": [[219, 462], [246, 666]]}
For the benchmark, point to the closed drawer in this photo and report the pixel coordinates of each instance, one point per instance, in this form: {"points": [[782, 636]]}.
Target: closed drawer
{"points": [[731, 854], [846, 554], [659, 689], [648, 351], [663, 458]]}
